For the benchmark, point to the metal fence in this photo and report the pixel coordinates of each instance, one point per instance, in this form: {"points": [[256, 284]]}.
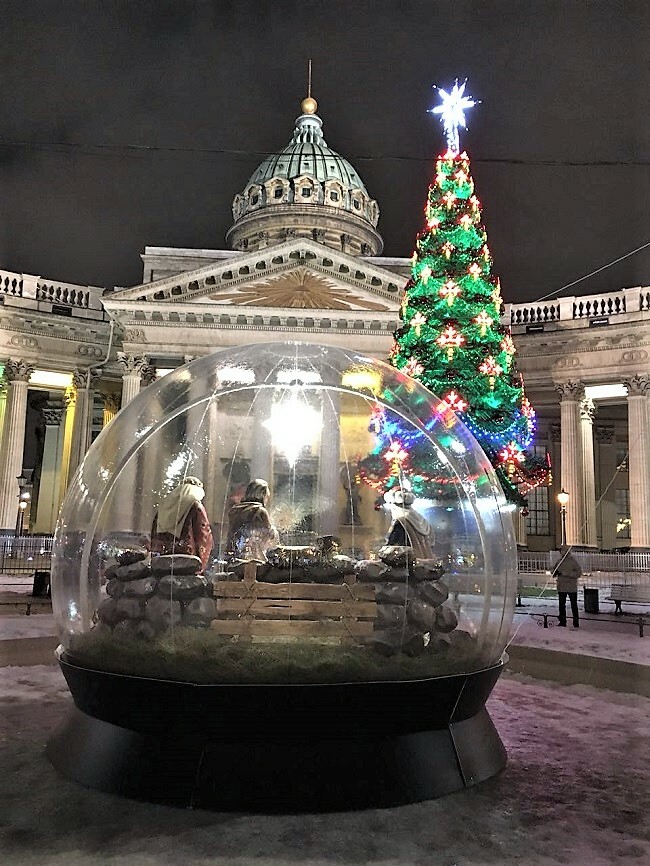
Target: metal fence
{"points": [[590, 563], [25, 554]]}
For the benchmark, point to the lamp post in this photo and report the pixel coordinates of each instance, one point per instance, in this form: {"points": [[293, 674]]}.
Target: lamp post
{"points": [[563, 498], [23, 502]]}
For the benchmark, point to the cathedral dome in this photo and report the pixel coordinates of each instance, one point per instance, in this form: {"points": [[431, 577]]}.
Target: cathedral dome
{"points": [[306, 190]]}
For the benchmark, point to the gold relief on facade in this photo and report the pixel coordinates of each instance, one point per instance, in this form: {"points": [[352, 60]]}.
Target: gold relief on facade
{"points": [[299, 289]]}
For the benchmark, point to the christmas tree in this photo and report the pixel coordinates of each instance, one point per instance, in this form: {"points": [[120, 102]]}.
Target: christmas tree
{"points": [[451, 338]]}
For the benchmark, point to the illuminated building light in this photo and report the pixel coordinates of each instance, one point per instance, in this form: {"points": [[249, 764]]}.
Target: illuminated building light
{"points": [[235, 376], [475, 270], [50, 379], [293, 425], [362, 379], [304, 377]]}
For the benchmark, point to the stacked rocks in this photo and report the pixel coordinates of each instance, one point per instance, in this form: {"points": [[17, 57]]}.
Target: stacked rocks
{"points": [[146, 596], [411, 613]]}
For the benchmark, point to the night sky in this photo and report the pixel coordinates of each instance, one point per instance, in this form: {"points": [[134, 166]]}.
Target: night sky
{"points": [[125, 124]]}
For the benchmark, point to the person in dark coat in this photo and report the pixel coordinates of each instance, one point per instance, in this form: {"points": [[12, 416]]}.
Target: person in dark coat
{"points": [[250, 532], [181, 523], [567, 573]]}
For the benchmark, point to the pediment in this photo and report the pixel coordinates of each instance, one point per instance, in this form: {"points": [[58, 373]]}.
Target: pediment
{"points": [[298, 287], [298, 274]]}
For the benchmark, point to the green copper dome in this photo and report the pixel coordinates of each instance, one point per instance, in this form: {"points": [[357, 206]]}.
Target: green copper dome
{"points": [[306, 190], [308, 154]]}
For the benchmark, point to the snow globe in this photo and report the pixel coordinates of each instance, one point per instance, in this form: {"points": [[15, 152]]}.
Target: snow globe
{"points": [[283, 577]]}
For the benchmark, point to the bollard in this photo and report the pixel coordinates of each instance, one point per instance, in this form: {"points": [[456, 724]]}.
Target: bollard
{"points": [[641, 625]]}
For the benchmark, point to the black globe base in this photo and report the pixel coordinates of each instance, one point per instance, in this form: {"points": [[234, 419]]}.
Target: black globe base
{"points": [[285, 748]]}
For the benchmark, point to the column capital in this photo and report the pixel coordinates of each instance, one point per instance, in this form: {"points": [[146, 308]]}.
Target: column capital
{"points": [[605, 435], [587, 410], [134, 365], [111, 401], [85, 377], [570, 391], [637, 386], [52, 415], [148, 374], [69, 397], [18, 371]]}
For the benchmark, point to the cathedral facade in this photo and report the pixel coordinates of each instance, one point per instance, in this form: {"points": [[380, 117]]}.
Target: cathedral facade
{"points": [[304, 263]]}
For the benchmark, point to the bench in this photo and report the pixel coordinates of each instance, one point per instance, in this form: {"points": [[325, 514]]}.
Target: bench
{"points": [[629, 593], [254, 609]]}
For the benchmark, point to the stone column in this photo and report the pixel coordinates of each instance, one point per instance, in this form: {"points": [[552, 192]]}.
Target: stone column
{"points": [[17, 374], [328, 467], [261, 445], [571, 458], [69, 403], [519, 521], [638, 388], [111, 407], [607, 470], [83, 382], [3, 402], [48, 491], [135, 368], [587, 415]]}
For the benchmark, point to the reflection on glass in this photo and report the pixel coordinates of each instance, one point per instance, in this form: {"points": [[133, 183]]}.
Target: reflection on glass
{"points": [[285, 513]]}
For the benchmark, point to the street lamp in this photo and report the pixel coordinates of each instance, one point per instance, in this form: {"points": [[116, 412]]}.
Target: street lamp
{"points": [[563, 498], [23, 501]]}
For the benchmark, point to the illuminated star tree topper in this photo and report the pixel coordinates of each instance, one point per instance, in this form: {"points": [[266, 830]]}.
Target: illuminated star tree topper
{"points": [[452, 112]]}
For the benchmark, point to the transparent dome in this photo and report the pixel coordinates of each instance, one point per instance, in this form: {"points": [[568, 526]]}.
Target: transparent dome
{"points": [[284, 513]]}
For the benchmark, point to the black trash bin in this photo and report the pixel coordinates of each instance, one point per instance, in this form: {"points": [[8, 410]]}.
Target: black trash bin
{"points": [[591, 600], [41, 586]]}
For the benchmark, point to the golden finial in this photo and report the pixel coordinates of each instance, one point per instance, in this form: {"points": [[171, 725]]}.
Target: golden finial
{"points": [[309, 105]]}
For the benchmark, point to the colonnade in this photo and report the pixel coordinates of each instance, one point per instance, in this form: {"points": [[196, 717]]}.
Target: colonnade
{"points": [[68, 430], [577, 415], [68, 433]]}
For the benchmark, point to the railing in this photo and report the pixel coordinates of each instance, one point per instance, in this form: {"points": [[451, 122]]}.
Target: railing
{"points": [[63, 294], [25, 554], [586, 307], [11, 284], [607, 565]]}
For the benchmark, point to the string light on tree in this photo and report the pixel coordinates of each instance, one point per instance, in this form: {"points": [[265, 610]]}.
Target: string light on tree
{"points": [[484, 321], [417, 321], [449, 291], [450, 339], [452, 401], [452, 287]]}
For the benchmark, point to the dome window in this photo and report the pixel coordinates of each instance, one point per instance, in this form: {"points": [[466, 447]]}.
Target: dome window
{"points": [[357, 204], [277, 192], [255, 199], [334, 196], [305, 191]]}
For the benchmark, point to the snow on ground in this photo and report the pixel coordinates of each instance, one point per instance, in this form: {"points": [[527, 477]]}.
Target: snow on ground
{"points": [[575, 791]]}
